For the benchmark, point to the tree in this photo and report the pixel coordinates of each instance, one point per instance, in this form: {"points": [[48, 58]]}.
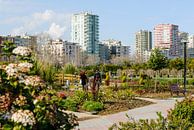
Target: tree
{"points": [[191, 65], [176, 64], [157, 62], [136, 67], [7, 48]]}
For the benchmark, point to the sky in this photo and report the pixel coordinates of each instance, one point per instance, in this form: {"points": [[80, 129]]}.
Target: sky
{"points": [[118, 19]]}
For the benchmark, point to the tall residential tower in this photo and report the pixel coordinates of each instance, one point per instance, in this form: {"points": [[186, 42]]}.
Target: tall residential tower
{"points": [[143, 45], [166, 37], [85, 31]]}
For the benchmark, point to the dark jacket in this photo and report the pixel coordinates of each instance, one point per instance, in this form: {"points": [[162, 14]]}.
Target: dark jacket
{"points": [[97, 76], [84, 79]]}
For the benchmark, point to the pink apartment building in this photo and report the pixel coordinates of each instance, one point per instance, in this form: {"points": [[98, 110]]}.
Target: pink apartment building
{"points": [[166, 38]]}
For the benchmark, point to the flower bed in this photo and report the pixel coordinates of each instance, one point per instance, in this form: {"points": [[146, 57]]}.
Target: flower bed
{"points": [[26, 102]]}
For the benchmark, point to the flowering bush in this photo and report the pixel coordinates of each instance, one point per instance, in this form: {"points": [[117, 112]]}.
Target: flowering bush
{"points": [[12, 70], [25, 117], [20, 101], [26, 102], [33, 81], [25, 67], [5, 102], [22, 51]]}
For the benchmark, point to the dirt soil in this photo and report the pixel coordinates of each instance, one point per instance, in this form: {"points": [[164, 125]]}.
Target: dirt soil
{"points": [[122, 105], [164, 95]]}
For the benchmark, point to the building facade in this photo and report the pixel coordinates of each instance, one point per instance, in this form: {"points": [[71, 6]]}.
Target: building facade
{"points": [[120, 51], [183, 36], [190, 52], [116, 49], [85, 31], [166, 37], [26, 40], [104, 53], [191, 41], [62, 52], [143, 45], [111, 42]]}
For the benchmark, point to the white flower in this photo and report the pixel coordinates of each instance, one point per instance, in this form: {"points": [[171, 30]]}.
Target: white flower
{"points": [[22, 51], [33, 81], [12, 69], [35, 101], [25, 67], [25, 117], [20, 101]]}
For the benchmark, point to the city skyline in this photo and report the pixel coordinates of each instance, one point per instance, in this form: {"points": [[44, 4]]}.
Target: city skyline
{"points": [[117, 20]]}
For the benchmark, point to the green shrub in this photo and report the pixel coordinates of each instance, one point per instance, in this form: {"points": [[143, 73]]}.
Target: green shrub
{"points": [[70, 104], [124, 78], [124, 85], [45, 70], [80, 96], [124, 94], [92, 106], [69, 69], [108, 95], [191, 81], [175, 81], [183, 110], [144, 79]]}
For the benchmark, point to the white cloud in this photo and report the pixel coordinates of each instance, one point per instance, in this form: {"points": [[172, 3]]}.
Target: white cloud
{"points": [[55, 23], [56, 31], [47, 15]]}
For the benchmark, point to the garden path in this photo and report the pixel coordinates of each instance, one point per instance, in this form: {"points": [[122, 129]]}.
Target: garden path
{"points": [[146, 112]]}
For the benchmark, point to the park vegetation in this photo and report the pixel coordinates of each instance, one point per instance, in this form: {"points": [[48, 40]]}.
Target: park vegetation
{"points": [[179, 118], [26, 101], [36, 90]]}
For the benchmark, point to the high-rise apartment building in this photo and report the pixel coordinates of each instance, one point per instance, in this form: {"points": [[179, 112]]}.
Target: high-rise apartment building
{"points": [[85, 31], [191, 41], [183, 36], [143, 45], [166, 37]]}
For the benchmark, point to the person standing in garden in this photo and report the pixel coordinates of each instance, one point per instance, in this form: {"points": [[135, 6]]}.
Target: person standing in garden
{"points": [[107, 80], [67, 84], [84, 80], [96, 83]]}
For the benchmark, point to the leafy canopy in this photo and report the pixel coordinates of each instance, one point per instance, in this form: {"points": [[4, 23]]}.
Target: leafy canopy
{"points": [[177, 64], [157, 60]]}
